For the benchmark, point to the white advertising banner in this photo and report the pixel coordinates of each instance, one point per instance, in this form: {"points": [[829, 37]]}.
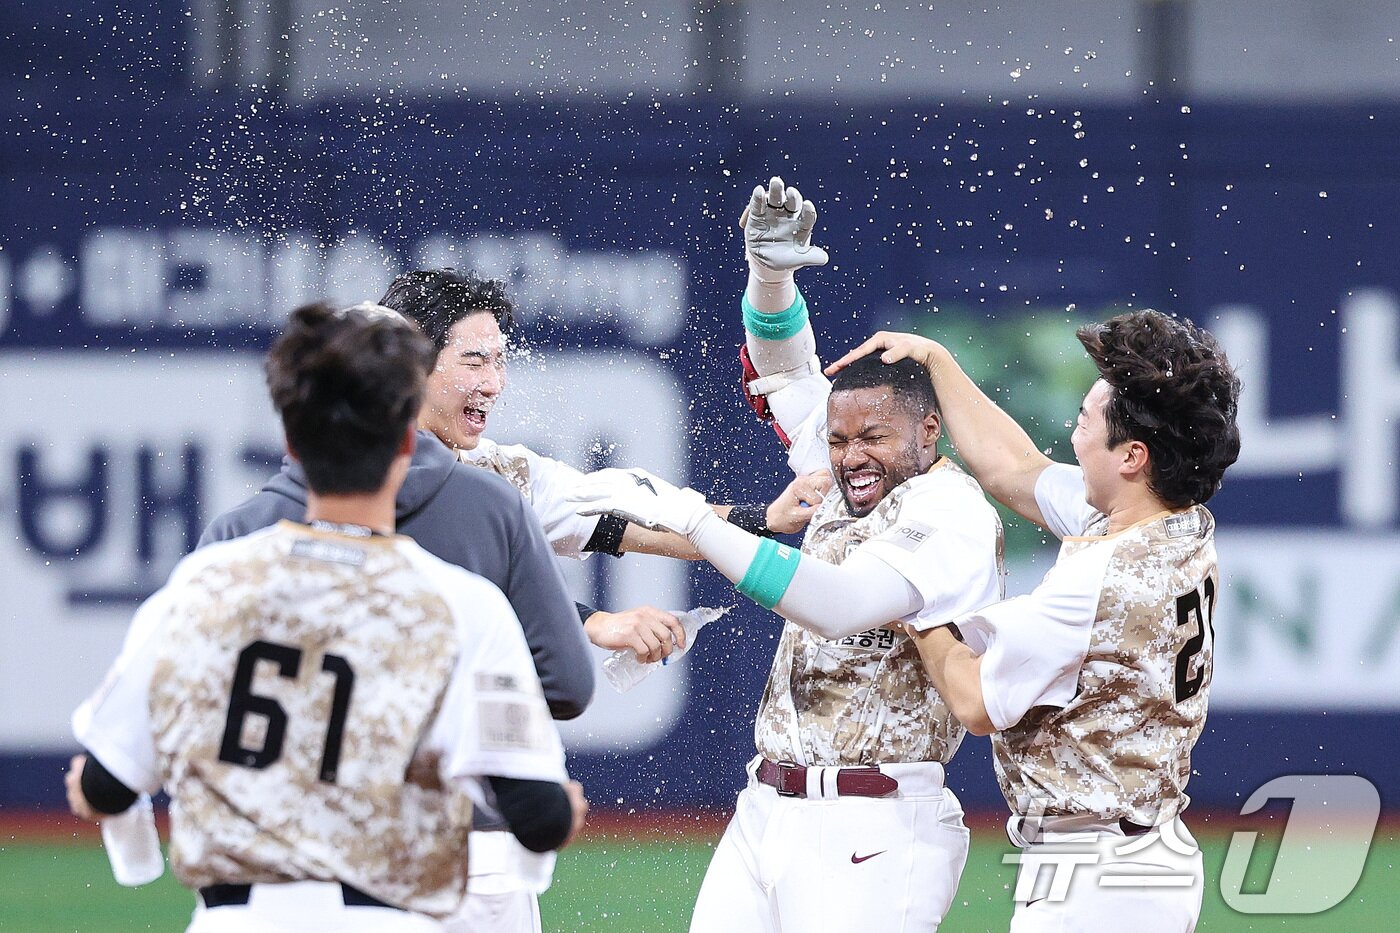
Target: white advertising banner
{"points": [[114, 461], [1307, 619]]}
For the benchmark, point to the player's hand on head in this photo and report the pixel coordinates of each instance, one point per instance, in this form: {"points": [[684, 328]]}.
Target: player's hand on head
{"points": [[794, 507], [892, 348], [73, 785], [778, 226], [578, 803], [649, 632], [641, 498]]}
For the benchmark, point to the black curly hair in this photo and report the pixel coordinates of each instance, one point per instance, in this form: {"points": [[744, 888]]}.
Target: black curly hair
{"points": [[347, 384], [1175, 391], [436, 299]]}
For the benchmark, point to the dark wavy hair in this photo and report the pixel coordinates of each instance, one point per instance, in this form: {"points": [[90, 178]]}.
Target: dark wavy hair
{"points": [[436, 299], [1175, 391], [347, 385], [906, 379]]}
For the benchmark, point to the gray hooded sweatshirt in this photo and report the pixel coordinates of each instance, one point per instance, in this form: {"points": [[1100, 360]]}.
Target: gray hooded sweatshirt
{"points": [[474, 519]]}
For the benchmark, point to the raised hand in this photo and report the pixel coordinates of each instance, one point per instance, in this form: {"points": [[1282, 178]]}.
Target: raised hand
{"points": [[777, 228]]}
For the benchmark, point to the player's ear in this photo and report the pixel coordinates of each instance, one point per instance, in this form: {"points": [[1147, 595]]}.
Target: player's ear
{"points": [[932, 428], [409, 442], [287, 446], [1136, 459]]}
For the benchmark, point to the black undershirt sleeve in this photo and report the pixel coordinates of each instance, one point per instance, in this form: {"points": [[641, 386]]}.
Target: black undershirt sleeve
{"points": [[607, 536], [103, 791], [751, 518], [537, 812], [584, 611]]}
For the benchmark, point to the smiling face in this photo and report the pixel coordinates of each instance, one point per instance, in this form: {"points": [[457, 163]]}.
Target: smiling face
{"points": [[877, 442], [1099, 462], [470, 374]]}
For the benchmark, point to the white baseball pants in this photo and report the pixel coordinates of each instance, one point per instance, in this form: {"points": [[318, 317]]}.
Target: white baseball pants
{"points": [[1150, 883], [504, 882], [305, 907], [838, 864]]}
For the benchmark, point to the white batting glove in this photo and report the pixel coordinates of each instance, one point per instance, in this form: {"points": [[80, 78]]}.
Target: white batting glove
{"points": [[641, 498], [778, 233]]}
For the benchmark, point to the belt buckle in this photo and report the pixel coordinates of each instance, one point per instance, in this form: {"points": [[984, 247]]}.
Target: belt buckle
{"points": [[784, 767]]}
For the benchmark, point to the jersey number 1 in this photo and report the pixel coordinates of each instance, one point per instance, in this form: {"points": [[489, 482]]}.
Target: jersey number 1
{"points": [[243, 701], [1191, 607]]}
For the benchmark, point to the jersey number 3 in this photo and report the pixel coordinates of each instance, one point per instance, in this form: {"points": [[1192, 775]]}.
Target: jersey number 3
{"points": [[1193, 608], [243, 701]]}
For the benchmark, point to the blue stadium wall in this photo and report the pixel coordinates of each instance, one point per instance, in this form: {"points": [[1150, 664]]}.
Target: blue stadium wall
{"points": [[1280, 225]]}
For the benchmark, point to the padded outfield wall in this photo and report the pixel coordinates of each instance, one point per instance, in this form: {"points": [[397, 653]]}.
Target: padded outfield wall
{"points": [[148, 252]]}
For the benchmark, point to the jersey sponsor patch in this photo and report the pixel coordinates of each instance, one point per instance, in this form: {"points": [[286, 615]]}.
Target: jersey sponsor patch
{"points": [[496, 682], [332, 552], [1183, 525], [506, 725], [908, 535]]}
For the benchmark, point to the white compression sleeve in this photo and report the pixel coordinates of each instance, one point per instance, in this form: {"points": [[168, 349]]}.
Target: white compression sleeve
{"points": [[828, 600]]}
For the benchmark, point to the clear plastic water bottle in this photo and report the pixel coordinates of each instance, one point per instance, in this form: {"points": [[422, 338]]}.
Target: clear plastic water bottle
{"points": [[624, 671], [133, 845]]}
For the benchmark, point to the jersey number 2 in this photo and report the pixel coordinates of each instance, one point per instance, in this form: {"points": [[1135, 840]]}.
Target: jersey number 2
{"points": [[1191, 607], [243, 701]]}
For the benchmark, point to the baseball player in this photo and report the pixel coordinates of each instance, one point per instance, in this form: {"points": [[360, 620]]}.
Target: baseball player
{"points": [[467, 319], [325, 702], [845, 823], [1095, 685]]}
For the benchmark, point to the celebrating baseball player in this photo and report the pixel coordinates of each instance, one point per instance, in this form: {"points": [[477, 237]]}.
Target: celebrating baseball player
{"points": [[468, 319], [846, 823], [1096, 683], [326, 701]]}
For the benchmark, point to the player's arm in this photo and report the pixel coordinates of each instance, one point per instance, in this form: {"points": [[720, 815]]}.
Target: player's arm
{"points": [[957, 674], [995, 664], [996, 450], [862, 593], [93, 791], [783, 379], [542, 815], [788, 514], [548, 617]]}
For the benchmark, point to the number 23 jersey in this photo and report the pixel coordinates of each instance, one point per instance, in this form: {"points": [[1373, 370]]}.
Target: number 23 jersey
{"points": [[322, 707], [1098, 680]]}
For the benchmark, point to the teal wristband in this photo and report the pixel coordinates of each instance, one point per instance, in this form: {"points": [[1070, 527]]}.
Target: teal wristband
{"points": [[778, 326], [769, 575]]}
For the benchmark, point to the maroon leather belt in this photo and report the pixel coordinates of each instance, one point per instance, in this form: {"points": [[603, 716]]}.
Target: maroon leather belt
{"points": [[791, 780]]}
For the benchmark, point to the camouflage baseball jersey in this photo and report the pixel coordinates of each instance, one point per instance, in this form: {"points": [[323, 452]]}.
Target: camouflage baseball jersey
{"points": [[866, 698], [314, 703], [1111, 658], [546, 484]]}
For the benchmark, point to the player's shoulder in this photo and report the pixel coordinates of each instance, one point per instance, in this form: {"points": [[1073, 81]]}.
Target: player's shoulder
{"points": [[945, 486], [455, 584]]}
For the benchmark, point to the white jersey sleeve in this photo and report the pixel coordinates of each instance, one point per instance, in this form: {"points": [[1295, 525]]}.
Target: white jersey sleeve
{"points": [[494, 719], [944, 542], [1059, 491], [551, 483], [1033, 646], [114, 724], [800, 408]]}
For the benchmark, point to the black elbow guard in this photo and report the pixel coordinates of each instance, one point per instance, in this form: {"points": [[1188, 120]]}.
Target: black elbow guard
{"points": [[103, 791]]}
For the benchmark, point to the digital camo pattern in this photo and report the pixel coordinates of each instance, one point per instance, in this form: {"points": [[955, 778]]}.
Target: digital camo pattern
{"points": [[866, 698], [505, 461], [385, 824], [1122, 747]]}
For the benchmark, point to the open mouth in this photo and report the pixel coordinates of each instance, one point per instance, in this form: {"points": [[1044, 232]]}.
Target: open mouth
{"points": [[474, 419], [862, 488]]}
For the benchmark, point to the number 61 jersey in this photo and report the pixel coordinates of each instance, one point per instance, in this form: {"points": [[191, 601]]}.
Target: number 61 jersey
{"points": [[322, 706], [1099, 679]]}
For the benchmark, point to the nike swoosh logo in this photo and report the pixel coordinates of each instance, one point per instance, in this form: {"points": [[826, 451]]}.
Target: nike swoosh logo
{"points": [[857, 859], [643, 481]]}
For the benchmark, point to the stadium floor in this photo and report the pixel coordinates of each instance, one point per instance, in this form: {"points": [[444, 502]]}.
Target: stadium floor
{"points": [[626, 875]]}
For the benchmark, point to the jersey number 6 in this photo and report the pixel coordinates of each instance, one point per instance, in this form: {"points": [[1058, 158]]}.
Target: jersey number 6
{"points": [[242, 701]]}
